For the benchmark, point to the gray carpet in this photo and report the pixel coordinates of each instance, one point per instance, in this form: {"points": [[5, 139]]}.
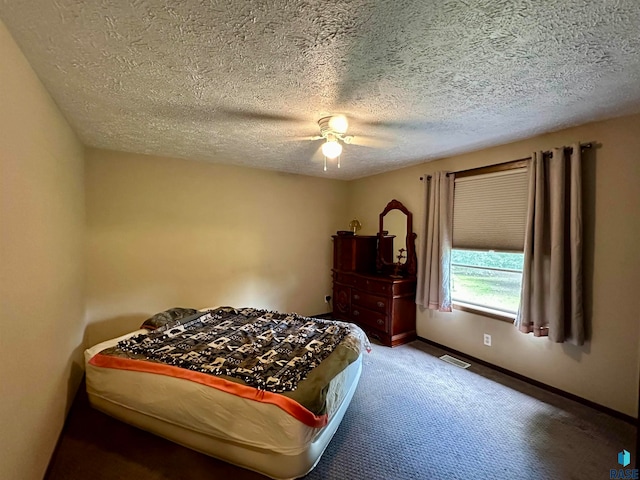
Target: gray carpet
{"points": [[413, 416]]}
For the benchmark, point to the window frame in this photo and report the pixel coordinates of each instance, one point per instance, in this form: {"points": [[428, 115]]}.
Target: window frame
{"points": [[498, 167], [477, 309], [484, 312], [481, 309]]}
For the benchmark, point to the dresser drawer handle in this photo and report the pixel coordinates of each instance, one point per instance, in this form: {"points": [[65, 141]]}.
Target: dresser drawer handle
{"points": [[356, 297], [380, 321], [380, 304], [356, 313]]}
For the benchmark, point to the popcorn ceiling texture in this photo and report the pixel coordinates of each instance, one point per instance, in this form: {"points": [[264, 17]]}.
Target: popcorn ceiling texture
{"points": [[241, 82]]}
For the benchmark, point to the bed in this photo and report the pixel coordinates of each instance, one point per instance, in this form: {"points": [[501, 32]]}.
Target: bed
{"points": [[262, 390]]}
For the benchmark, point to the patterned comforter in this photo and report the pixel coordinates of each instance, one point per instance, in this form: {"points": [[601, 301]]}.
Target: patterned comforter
{"points": [[269, 351]]}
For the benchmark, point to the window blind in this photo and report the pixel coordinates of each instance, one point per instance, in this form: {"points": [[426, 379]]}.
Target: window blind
{"points": [[489, 211]]}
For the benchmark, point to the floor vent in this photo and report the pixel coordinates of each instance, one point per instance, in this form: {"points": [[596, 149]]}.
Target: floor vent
{"points": [[454, 361]]}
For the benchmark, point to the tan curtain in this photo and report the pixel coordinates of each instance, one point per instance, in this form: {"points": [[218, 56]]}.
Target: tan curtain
{"points": [[551, 302], [434, 263]]}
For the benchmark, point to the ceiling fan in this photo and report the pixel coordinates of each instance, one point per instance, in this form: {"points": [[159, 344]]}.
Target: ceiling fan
{"points": [[333, 129]]}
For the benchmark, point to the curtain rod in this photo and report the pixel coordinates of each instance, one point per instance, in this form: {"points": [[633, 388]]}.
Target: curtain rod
{"points": [[547, 152]]}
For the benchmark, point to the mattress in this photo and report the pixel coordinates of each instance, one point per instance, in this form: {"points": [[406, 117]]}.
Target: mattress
{"points": [[255, 435]]}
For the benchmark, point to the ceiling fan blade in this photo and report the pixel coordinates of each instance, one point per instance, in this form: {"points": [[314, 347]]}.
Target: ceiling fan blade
{"points": [[303, 139], [241, 114], [371, 142], [402, 124], [317, 155]]}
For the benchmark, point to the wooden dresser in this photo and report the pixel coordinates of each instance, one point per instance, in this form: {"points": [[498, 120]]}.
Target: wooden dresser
{"points": [[383, 306]]}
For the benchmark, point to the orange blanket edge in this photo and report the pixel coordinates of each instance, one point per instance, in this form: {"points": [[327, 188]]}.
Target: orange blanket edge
{"points": [[287, 404]]}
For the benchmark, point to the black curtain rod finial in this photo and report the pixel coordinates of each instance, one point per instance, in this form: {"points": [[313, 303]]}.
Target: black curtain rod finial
{"points": [[429, 176]]}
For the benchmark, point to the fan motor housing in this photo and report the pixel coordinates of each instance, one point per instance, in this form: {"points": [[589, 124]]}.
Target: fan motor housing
{"points": [[325, 129]]}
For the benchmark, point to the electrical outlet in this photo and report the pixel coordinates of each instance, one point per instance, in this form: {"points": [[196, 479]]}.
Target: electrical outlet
{"points": [[327, 298], [487, 339]]}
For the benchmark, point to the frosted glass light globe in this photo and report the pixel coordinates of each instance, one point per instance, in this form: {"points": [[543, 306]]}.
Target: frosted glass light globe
{"points": [[331, 149], [339, 123]]}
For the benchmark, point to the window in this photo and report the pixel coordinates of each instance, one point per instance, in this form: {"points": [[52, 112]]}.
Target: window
{"points": [[487, 279], [488, 239]]}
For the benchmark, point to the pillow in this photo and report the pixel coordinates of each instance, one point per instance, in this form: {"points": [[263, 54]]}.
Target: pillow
{"points": [[162, 318]]}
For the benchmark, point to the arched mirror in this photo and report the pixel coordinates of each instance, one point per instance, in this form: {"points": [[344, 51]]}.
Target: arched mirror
{"points": [[395, 224], [396, 241]]}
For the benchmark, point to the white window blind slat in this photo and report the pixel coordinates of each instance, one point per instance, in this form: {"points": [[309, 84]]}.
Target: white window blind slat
{"points": [[489, 211]]}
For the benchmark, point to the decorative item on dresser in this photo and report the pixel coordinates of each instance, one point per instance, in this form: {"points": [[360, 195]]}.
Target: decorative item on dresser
{"points": [[369, 287]]}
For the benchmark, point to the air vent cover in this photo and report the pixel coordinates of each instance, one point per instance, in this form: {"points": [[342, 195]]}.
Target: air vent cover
{"points": [[454, 361]]}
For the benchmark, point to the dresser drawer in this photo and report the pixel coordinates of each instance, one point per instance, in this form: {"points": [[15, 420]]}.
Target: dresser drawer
{"points": [[376, 320], [344, 278], [372, 302], [341, 301], [373, 286]]}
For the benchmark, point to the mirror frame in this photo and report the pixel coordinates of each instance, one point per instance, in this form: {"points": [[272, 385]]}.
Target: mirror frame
{"points": [[408, 268]]}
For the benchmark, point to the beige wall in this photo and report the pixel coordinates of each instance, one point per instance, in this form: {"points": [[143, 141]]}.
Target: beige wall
{"points": [[41, 265], [605, 370], [164, 232]]}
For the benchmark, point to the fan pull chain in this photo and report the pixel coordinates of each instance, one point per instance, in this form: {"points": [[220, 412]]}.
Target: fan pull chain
{"points": [[338, 161], [325, 164]]}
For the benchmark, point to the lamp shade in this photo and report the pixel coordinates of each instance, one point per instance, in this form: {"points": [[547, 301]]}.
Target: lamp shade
{"points": [[331, 149]]}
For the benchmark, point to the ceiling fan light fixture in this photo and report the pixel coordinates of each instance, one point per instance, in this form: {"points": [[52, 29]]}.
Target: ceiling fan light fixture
{"points": [[338, 124], [331, 149]]}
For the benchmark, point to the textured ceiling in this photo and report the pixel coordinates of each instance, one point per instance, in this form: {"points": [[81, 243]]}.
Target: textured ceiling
{"points": [[241, 82]]}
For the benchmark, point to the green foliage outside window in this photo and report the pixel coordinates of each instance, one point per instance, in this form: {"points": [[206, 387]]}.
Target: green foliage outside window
{"points": [[476, 284]]}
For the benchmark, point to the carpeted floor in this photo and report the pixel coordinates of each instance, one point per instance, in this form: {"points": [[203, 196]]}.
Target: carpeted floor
{"points": [[413, 416]]}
